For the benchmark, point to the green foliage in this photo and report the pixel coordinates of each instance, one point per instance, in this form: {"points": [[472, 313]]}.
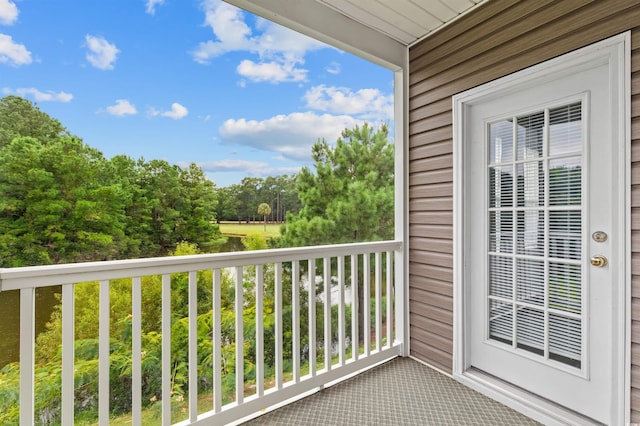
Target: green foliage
{"points": [[56, 207], [240, 201], [264, 210], [254, 241], [19, 118], [63, 202], [350, 196]]}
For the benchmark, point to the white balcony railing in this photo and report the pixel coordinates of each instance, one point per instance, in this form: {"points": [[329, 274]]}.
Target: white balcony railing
{"points": [[323, 346]]}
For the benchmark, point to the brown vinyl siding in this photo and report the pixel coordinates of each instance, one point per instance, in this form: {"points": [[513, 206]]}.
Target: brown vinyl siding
{"points": [[497, 39]]}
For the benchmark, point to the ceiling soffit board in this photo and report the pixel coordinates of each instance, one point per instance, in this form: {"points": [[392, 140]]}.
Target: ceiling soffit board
{"points": [[324, 23], [407, 21], [382, 18]]}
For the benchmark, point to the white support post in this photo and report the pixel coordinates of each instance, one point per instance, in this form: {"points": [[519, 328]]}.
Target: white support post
{"points": [[327, 313], [389, 295], [193, 346], [27, 344], [68, 354], [259, 331], [341, 332], [312, 318], [355, 306], [401, 205], [239, 301], [366, 299], [295, 320], [278, 315], [378, 299], [166, 350], [217, 342], [103, 354], [136, 351]]}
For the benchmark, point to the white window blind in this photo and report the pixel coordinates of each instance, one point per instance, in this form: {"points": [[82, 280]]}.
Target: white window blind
{"points": [[535, 203]]}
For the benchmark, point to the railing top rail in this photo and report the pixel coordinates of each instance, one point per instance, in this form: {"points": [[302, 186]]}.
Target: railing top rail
{"points": [[71, 273]]}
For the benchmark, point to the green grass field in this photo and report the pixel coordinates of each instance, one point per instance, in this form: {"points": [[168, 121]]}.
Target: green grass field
{"points": [[242, 229]]}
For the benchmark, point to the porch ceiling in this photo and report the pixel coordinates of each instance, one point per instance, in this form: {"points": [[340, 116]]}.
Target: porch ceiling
{"points": [[403, 20], [378, 30]]}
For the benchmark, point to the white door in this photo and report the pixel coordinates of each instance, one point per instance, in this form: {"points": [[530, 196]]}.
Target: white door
{"points": [[540, 201]]}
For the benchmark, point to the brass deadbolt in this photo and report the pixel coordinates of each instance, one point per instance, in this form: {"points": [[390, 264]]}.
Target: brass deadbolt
{"points": [[599, 261]]}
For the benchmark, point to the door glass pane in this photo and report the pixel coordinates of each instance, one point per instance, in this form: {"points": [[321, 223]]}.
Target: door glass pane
{"points": [[501, 231], [501, 276], [501, 142], [530, 136], [565, 287], [501, 186], [535, 290], [531, 239], [565, 129], [530, 283], [530, 330], [501, 321], [565, 181], [530, 184], [565, 234], [565, 339]]}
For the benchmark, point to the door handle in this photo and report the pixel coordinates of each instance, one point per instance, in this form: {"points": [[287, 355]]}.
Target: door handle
{"points": [[599, 261]]}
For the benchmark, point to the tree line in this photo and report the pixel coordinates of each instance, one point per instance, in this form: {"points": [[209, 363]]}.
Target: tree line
{"points": [[63, 201], [240, 202]]}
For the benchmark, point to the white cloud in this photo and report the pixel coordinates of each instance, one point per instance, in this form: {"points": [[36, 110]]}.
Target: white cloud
{"points": [[246, 167], [227, 23], [121, 108], [13, 53], [8, 12], [365, 103], [231, 165], [333, 68], [48, 96], [276, 46], [271, 71], [152, 4], [290, 135], [176, 112], [101, 54]]}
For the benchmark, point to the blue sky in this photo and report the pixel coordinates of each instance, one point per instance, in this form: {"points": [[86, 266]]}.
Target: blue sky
{"points": [[187, 81]]}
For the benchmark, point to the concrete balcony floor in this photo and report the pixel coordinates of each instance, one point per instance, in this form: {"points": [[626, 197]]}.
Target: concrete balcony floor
{"points": [[400, 392]]}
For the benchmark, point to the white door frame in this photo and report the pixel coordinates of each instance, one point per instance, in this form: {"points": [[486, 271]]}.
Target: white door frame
{"points": [[616, 51]]}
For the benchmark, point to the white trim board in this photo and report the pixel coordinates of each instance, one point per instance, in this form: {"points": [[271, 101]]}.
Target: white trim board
{"points": [[614, 51]]}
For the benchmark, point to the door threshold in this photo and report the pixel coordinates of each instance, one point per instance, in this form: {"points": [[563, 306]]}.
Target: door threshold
{"points": [[527, 403]]}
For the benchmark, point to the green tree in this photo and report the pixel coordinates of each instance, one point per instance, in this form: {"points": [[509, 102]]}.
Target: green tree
{"points": [[264, 210], [198, 212], [248, 197], [20, 117], [57, 204], [128, 173], [239, 201], [350, 195], [182, 205], [62, 201], [227, 206]]}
